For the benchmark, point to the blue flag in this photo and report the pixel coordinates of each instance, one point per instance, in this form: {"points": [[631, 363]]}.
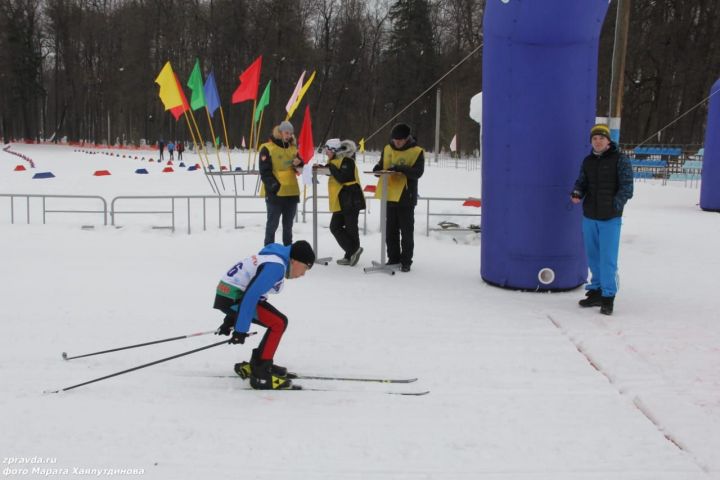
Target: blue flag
{"points": [[212, 99]]}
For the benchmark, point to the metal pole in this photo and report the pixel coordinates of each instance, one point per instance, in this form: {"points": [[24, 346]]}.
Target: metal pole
{"points": [[437, 124], [622, 24]]}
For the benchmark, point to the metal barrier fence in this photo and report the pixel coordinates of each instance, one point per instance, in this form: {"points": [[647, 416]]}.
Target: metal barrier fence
{"points": [[45, 209], [171, 207], [429, 214], [325, 212]]}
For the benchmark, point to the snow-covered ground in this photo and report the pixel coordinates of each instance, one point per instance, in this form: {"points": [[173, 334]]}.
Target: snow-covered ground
{"points": [[523, 385]]}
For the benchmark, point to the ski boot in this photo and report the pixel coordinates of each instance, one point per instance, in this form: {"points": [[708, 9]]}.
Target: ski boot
{"points": [[262, 378]]}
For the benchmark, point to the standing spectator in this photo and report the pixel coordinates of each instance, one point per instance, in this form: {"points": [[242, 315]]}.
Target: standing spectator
{"points": [[180, 149], [604, 185], [171, 149], [279, 166], [404, 157], [161, 147], [346, 198]]}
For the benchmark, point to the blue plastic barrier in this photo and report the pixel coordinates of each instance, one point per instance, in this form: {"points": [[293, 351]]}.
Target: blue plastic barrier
{"points": [[141, 171]]}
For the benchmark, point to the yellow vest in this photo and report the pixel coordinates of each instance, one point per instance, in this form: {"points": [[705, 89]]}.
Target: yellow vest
{"points": [[397, 183], [283, 169], [334, 186]]}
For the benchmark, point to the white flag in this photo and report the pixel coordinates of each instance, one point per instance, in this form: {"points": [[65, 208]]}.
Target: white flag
{"points": [[243, 141], [296, 92], [453, 144]]}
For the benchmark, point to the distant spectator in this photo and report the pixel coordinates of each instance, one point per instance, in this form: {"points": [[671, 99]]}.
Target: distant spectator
{"points": [[180, 149], [171, 149], [161, 147]]}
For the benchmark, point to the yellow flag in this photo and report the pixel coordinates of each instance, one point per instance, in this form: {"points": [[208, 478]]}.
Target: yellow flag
{"points": [[361, 144], [169, 93], [300, 95]]}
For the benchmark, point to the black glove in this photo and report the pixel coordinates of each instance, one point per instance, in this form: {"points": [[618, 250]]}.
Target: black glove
{"points": [[224, 329], [238, 337]]}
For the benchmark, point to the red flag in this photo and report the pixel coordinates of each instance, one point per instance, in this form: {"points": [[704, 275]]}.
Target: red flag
{"points": [[180, 109], [306, 148], [249, 82]]}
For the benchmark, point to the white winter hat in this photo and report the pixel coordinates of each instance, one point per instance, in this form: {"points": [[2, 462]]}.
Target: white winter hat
{"points": [[333, 144], [286, 126]]}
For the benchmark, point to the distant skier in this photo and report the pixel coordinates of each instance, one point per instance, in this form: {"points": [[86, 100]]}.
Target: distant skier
{"points": [[161, 148], [180, 147], [242, 296]]}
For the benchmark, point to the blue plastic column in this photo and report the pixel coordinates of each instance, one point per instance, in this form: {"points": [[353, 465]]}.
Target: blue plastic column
{"points": [[710, 185], [539, 88]]}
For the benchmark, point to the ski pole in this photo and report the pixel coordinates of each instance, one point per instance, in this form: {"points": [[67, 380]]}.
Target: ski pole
{"points": [[224, 342], [65, 355]]}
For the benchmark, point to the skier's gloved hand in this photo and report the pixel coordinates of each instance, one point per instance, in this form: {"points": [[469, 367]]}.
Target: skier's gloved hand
{"points": [[238, 337], [224, 329]]}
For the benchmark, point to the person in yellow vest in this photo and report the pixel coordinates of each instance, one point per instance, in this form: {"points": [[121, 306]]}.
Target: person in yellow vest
{"points": [[346, 198], [279, 166], [404, 157]]}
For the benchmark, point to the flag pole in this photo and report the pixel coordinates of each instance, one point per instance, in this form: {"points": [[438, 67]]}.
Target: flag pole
{"points": [[201, 149], [252, 127], [217, 150], [257, 138], [197, 147], [227, 144]]}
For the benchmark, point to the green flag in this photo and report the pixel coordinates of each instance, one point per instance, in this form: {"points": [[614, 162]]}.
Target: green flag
{"points": [[195, 82], [264, 101]]}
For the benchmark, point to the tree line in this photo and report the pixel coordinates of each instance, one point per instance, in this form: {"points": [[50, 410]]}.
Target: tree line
{"points": [[84, 69]]}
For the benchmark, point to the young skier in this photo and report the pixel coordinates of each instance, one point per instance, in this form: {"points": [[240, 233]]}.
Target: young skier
{"points": [[242, 296]]}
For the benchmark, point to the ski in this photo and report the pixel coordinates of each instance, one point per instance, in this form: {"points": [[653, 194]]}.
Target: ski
{"points": [[297, 388], [417, 393], [243, 370], [299, 376]]}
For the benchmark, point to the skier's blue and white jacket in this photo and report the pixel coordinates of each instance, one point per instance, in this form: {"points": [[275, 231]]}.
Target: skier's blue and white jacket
{"points": [[253, 279]]}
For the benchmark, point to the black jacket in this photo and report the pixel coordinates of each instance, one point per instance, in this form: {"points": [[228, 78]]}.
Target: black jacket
{"points": [[605, 183], [409, 196]]}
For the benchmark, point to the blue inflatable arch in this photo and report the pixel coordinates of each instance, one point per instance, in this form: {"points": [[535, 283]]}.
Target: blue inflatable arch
{"points": [[539, 88], [710, 185]]}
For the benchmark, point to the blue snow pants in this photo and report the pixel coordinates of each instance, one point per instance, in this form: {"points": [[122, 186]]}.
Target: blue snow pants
{"points": [[602, 242]]}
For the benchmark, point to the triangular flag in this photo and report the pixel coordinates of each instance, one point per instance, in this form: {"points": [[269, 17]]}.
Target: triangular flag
{"points": [[180, 109], [296, 92], [243, 142], [453, 143], [306, 147], [169, 94], [361, 145], [249, 83], [264, 101], [300, 96], [195, 82], [212, 99]]}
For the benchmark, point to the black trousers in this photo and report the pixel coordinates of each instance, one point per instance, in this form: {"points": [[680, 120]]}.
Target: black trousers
{"points": [[400, 233], [275, 210], [344, 227]]}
